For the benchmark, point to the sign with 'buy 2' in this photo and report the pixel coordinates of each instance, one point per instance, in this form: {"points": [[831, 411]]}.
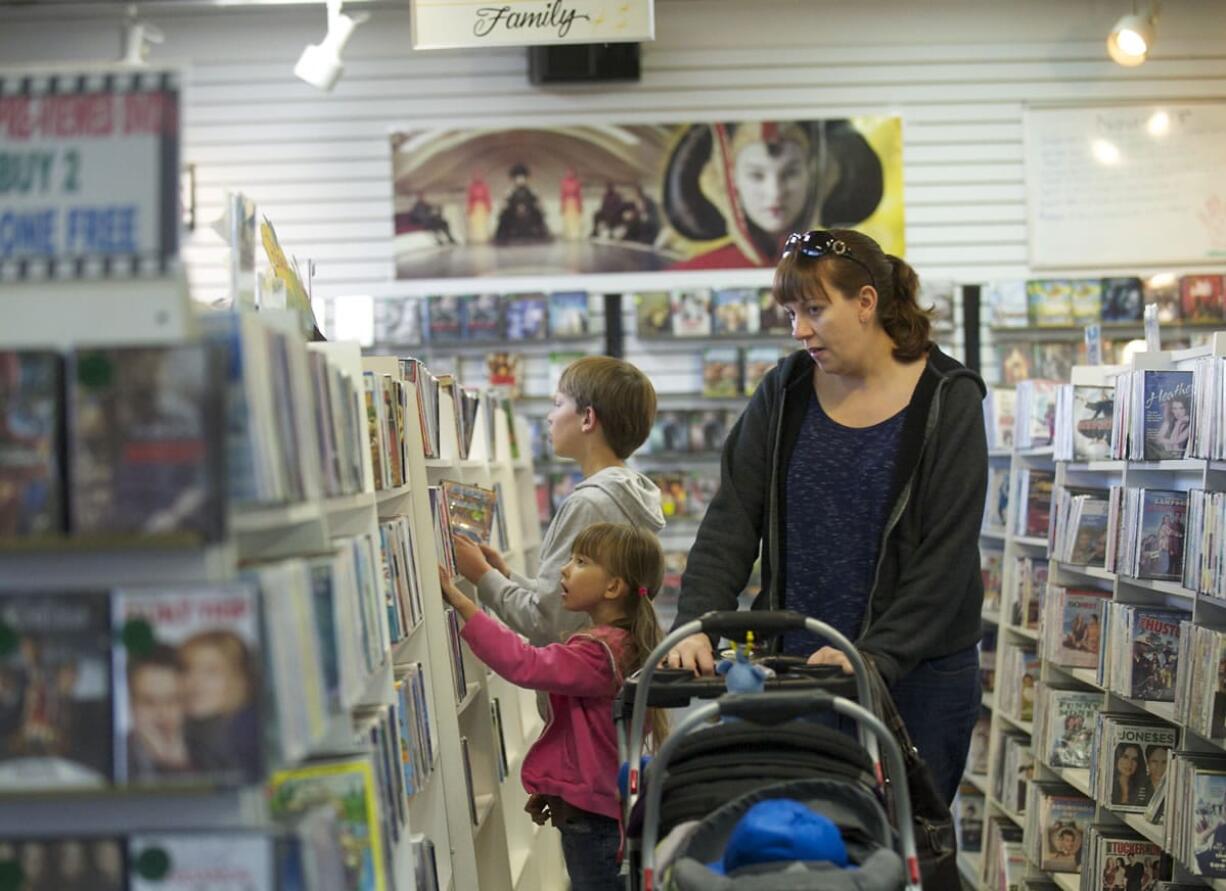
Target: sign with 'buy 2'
{"points": [[89, 174]]}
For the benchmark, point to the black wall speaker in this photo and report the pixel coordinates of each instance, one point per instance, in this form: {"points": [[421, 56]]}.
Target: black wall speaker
{"points": [[583, 62]]}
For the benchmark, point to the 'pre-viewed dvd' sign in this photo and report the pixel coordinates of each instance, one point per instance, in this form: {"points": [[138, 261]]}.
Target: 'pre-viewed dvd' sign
{"points": [[88, 174]]}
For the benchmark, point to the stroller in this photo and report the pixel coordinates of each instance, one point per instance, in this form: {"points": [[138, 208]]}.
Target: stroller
{"points": [[708, 780]]}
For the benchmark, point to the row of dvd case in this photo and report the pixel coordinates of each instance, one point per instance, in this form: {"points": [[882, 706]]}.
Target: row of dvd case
{"points": [[482, 318], [178, 685]]}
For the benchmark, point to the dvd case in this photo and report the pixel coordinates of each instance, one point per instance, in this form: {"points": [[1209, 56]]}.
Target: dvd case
{"points": [[31, 443], [471, 510], [147, 450], [201, 861], [189, 687], [55, 690], [527, 317], [569, 314]]}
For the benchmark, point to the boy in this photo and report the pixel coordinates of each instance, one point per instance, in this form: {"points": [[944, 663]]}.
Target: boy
{"points": [[602, 412]]}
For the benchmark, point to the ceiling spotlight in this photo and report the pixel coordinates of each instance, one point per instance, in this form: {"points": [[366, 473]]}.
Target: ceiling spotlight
{"points": [[1132, 37], [320, 63]]}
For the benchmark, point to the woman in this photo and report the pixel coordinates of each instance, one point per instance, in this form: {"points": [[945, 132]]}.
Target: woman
{"points": [[746, 186], [1164, 541], [478, 209], [859, 470], [1131, 784], [1093, 634], [572, 205], [220, 691], [1176, 427]]}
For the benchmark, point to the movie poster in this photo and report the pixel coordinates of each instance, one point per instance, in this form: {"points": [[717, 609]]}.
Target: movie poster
{"points": [[640, 197]]}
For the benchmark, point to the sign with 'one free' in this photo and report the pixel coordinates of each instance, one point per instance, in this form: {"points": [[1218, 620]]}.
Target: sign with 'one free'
{"points": [[89, 174]]}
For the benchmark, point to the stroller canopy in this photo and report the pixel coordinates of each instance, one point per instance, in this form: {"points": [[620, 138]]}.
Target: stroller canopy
{"points": [[728, 760], [853, 808]]}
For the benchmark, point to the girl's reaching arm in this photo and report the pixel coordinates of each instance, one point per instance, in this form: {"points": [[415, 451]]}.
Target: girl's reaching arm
{"points": [[583, 666]]}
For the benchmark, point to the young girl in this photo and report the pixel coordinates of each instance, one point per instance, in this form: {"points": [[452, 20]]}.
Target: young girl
{"points": [[571, 770], [220, 689]]}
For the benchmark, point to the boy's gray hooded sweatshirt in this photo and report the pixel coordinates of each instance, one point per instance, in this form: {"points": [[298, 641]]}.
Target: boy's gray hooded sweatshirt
{"points": [[533, 607]]}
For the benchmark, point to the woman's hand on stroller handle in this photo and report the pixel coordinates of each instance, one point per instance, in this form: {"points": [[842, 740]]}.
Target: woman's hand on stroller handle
{"points": [[694, 653], [831, 656]]}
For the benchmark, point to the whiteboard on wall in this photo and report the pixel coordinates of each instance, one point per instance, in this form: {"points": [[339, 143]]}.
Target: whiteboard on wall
{"points": [[1130, 186]]}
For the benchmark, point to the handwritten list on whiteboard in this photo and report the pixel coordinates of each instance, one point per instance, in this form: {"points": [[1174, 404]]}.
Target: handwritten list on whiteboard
{"points": [[1126, 186]]}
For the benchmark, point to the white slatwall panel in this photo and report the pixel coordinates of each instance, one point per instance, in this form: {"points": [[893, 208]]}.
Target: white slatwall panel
{"points": [[959, 72]]}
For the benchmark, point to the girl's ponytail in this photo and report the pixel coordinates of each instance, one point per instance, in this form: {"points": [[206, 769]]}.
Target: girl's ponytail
{"points": [[646, 634]]}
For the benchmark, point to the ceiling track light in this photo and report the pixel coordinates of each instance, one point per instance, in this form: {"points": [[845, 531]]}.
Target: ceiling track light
{"points": [[320, 64], [137, 37], [1132, 38]]}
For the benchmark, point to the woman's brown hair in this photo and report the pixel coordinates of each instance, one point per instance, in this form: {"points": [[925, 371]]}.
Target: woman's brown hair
{"points": [[898, 310], [634, 556], [237, 656]]}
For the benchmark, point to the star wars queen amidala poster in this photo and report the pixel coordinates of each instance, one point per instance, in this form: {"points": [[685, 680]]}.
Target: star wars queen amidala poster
{"points": [[607, 198]]}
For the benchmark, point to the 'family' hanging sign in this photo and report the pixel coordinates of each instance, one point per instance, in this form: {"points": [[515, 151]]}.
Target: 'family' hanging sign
{"points": [[89, 174], [444, 24]]}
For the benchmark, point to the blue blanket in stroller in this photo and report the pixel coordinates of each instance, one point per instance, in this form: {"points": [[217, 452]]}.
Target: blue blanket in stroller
{"points": [[866, 834]]}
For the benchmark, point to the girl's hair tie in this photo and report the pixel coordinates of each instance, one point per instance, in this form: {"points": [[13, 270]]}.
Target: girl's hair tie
{"points": [[642, 591]]}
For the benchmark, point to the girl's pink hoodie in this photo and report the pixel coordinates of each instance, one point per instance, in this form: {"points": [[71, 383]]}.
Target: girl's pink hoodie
{"points": [[575, 757]]}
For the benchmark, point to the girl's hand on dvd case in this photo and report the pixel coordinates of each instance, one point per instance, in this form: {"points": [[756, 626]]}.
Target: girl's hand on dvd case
{"points": [[454, 596], [831, 656], [495, 560], [469, 559]]}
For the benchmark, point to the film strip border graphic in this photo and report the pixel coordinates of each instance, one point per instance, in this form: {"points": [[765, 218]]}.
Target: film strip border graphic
{"points": [[151, 264]]}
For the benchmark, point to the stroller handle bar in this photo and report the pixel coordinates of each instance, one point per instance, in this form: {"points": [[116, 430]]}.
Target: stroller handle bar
{"points": [[771, 623], [746, 705], [733, 624]]}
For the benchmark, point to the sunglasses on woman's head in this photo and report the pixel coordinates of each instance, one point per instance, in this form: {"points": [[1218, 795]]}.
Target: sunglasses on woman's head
{"points": [[820, 243]]}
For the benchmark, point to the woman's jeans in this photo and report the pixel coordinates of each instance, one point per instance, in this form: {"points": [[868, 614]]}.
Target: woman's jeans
{"points": [[589, 846], [939, 701]]}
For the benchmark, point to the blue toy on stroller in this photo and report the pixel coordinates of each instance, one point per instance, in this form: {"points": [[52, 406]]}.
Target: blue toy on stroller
{"points": [[771, 800]]}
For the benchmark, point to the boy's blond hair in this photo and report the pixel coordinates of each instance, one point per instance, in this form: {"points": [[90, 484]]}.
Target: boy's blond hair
{"points": [[622, 397]]}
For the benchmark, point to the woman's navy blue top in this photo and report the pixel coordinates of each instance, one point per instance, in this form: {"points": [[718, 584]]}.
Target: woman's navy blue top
{"points": [[838, 490]]}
